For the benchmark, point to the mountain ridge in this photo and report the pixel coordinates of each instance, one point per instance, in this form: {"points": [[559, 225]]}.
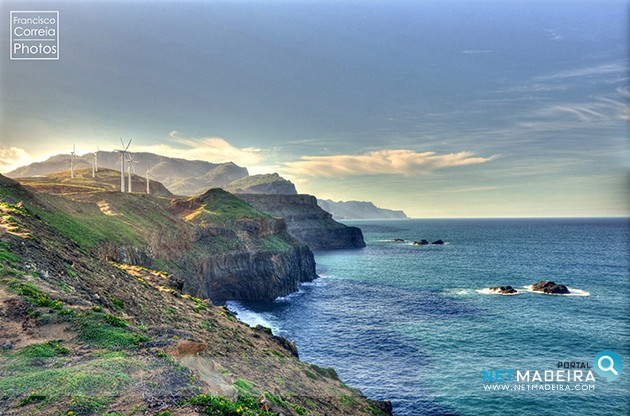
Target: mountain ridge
{"points": [[363, 210]]}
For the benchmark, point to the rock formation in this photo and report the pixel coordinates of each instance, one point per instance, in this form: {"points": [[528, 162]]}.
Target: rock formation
{"points": [[307, 222], [550, 288], [504, 290]]}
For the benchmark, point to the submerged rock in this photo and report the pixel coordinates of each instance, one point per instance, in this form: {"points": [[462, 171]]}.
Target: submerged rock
{"points": [[420, 243], [398, 240], [504, 290], [439, 242], [551, 288]]}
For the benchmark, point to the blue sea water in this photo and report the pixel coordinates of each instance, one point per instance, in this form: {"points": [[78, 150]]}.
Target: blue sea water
{"points": [[411, 324]]}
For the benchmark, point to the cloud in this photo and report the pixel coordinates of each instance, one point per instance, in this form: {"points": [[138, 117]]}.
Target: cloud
{"points": [[12, 158], [383, 162], [594, 71], [211, 149], [600, 110]]}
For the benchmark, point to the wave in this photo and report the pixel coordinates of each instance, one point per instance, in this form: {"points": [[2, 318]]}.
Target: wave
{"points": [[528, 289], [250, 317], [572, 291], [490, 291], [458, 292]]}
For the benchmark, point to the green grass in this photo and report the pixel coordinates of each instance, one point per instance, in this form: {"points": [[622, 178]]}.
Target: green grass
{"points": [[46, 350], [93, 326], [86, 405], [33, 295], [275, 242], [222, 207], [327, 372], [217, 405], [348, 401], [103, 335], [119, 304], [245, 387], [31, 382], [7, 256]]}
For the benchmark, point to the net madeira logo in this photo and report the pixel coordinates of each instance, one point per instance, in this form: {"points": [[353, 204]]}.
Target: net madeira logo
{"points": [[608, 365], [34, 35]]}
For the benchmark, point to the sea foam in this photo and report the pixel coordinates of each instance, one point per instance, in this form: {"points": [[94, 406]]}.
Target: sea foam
{"points": [[572, 291]]}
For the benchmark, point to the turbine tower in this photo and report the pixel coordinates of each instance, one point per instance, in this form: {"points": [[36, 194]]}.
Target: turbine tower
{"points": [[148, 169], [72, 161], [130, 167], [123, 153], [95, 163]]}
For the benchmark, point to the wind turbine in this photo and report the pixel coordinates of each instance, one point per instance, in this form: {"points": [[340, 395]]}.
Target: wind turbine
{"points": [[130, 167], [72, 161], [95, 163], [148, 169], [123, 153]]}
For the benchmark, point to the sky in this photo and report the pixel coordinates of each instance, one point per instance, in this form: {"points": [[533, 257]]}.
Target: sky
{"points": [[442, 108]]}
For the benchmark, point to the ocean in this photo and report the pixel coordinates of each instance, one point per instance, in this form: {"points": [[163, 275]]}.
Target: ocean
{"points": [[416, 324]]}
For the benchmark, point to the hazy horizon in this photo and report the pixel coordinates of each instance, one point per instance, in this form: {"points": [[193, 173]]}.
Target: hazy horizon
{"points": [[443, 109]]}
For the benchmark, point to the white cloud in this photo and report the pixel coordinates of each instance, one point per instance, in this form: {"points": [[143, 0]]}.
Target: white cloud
{"points": [[383, 162], [12, 158], [211, 149], [599, 70], [600, 110]]}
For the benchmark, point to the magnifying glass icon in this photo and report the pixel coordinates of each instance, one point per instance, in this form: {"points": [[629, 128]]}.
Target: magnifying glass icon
{"points": [[609, 367]]}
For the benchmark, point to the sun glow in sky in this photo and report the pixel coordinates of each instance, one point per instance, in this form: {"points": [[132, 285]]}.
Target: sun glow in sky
{"points": [[448, 108]]}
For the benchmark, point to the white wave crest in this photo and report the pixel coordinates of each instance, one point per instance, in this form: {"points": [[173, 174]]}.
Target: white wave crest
{"points": [[572, 291], [249, 317], [490, 291]]}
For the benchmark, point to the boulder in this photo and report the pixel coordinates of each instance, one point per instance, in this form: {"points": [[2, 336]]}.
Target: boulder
{"points": [[504, 290], [420, 243], [439, 242], [551, 288]]}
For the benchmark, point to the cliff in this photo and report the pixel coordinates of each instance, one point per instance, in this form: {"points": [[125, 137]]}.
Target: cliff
{"points": [[361, 210], [307, 222], [84, 333], [252, 256], [262, 184]]}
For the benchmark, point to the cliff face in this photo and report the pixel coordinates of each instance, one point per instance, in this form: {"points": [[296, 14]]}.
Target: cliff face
{"points": [[66, 309], [258, 260], [358, 210], [214, 246], [250, 275], [307, 222]]}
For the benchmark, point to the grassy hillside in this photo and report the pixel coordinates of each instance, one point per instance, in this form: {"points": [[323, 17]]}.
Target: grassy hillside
{"points": [[84, 335]]}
